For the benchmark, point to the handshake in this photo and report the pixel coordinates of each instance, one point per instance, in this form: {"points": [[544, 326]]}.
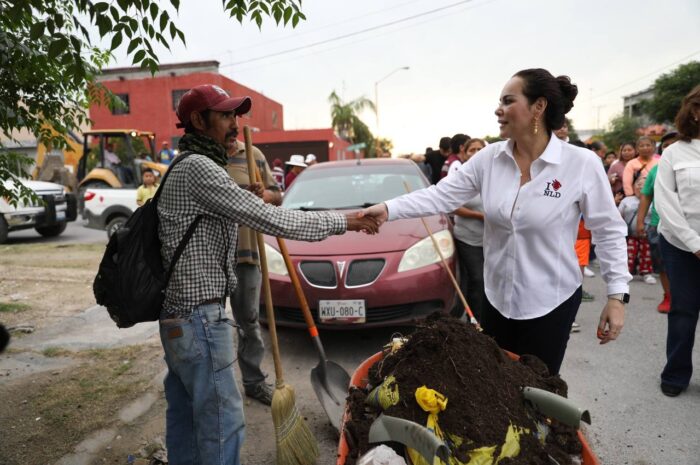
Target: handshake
{"points": [[368, 220]]}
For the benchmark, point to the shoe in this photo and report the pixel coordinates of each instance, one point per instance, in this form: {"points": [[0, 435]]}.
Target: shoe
{"points": [[649, 279], [665, 305], [588, 273], [586, 297], [575, 327], [671, 390], [261, 392]]}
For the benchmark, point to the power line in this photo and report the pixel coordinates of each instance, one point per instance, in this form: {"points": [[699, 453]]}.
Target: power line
{"points": [[360, 40], [663, 68], [351, 34], [296, 34]]}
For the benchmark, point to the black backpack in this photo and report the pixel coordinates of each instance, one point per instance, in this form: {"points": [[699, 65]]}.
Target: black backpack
{"points": [[131, 281]]}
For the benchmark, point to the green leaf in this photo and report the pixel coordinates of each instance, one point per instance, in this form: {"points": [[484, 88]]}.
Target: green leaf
{"points": [[77, 44], [277, 14], [132, 45], [139, 56], [36, 31], [176, 4], [182, 37], [295, 20], [287, 14], [57, 46], [101, 7], [173, 31], [265, 8], [104, 25], [154, 11], [164, 18], [123, 4], [114, 12]]}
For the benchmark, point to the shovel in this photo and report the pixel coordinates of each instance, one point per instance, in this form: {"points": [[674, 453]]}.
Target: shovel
{"points": [[386, 428], [329, 380]]}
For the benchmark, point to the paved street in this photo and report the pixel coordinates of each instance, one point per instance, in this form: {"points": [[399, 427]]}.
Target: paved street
{"points": [[632, 422], [75, 233]]}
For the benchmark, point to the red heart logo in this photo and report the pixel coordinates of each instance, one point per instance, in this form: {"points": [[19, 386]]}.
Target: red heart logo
{"points": [[556, 185]]}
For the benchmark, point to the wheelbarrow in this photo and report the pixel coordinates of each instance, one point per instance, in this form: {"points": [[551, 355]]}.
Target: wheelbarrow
{"points": [[359, 380]]}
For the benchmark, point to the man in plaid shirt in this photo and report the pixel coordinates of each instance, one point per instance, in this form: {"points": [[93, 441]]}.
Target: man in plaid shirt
{"points": [[204, 418]]}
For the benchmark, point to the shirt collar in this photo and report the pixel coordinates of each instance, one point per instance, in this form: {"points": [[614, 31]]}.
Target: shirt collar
{"points": [[551, 154]]}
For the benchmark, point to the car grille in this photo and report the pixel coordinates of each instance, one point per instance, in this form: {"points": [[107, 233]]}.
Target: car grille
{"points": [[362, 272], [319, 273], [374, 315]]}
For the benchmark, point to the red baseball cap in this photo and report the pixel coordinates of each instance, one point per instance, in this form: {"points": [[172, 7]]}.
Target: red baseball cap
{"points": [[209, 97]]}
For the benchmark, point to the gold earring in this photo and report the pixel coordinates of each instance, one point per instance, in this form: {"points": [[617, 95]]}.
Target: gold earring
{"points": [[536, 128]]}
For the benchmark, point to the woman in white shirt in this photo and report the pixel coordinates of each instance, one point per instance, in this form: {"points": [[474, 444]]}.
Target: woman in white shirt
{"points": [[534, 187], [677, 199]]}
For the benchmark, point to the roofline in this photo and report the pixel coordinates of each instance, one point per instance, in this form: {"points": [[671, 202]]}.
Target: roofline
{"points": [[163, 67]]}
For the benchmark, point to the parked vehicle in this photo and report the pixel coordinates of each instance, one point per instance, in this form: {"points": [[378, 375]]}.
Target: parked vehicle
{"points": [[48, 218], [354, 280], [108, 209]]}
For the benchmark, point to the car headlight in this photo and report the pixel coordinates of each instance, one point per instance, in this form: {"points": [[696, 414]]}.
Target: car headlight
{"points": [[423, 253], [275, 261]]}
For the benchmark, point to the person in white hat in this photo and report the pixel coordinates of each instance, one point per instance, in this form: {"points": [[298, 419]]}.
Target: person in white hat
{"points": [[310, 159], [297, 165]]}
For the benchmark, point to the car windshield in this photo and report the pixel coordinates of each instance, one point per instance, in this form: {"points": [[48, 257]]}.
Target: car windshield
{"points": [[351, 186]]}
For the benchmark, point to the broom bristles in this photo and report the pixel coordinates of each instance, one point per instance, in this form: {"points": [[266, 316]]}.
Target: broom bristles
{"points": [[296, 445]]}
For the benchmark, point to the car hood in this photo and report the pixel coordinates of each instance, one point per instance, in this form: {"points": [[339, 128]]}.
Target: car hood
{"points": [[37, 186], [393, 236]]}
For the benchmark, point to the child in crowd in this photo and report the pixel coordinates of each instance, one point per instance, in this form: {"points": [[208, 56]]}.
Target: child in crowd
{"points": [[148, 189], [638, 250]]}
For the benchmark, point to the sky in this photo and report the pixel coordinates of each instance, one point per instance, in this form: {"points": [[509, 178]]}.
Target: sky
{"points": [[459, 54]]}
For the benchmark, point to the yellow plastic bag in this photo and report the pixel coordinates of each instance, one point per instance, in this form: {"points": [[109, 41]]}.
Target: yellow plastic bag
{"points": [[432, 402]]}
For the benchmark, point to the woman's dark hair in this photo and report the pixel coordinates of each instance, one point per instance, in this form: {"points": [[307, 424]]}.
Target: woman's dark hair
{"points": [[687, 123], [456, 141], [558, 91], [596, 145]]}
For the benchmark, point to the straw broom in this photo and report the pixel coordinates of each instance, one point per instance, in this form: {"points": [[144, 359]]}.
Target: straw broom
{"points": [[296, 445]]}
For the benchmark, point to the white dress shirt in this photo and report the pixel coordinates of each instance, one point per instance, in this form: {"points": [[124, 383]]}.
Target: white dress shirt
{"points": [[677, 195], [530, 266]]}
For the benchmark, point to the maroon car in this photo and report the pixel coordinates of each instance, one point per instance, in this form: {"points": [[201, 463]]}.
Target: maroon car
{"points": [[357, 281]]}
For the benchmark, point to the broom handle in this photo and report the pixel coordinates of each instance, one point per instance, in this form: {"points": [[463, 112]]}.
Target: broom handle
{"points": [[472, 319], [269, 309]]}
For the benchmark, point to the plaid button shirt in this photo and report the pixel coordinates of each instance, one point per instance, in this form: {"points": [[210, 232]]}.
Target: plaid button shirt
{"points": [[198, 186]]}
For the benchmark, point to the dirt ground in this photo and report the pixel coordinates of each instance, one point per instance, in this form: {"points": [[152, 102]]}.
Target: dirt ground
{"points": [[44, 415]]}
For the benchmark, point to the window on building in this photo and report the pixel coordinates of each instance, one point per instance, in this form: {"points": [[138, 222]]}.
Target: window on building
{"points": [[121, 108], [177, 95], [274, 119]]}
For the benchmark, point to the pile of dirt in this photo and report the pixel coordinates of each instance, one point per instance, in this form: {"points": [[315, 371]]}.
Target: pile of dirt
{"points": [[482, 385]]}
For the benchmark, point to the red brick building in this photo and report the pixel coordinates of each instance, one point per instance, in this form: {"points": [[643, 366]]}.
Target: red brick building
{"points": [[150, 103]]}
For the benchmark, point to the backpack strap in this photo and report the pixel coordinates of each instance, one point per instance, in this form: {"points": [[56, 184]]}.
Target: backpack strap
{"points": [[177, 160], [181, 247]]}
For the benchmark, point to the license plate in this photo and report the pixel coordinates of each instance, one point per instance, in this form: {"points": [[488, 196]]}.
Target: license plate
{"points": [[342, 311], [60, 216]]}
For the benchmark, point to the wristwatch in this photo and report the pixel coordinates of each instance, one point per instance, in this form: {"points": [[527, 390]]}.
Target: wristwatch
{"points": [[624, 298]]}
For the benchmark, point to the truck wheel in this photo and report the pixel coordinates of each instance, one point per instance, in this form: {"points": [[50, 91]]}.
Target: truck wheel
{"points": [[3, 230], [53, 230], [114, 225]]}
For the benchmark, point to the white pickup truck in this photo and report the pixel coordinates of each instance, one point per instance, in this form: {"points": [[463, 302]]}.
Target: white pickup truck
{"points": [[108, 209], [49, 219]]}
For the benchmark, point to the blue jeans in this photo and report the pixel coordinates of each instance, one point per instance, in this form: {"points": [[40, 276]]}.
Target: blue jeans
{"points": [[204, 418], [683, 269]]}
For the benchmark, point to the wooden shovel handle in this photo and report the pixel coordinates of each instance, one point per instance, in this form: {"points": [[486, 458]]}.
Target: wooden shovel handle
{"points": [[269, 309], [313, 331], [446, 267]]}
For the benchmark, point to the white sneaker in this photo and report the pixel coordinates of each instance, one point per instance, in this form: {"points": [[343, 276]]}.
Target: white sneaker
{"points": [[649, 279], [588, 273]]}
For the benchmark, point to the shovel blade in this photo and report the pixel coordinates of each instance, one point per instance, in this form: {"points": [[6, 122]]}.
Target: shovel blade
{"points": [[331, 388]]}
